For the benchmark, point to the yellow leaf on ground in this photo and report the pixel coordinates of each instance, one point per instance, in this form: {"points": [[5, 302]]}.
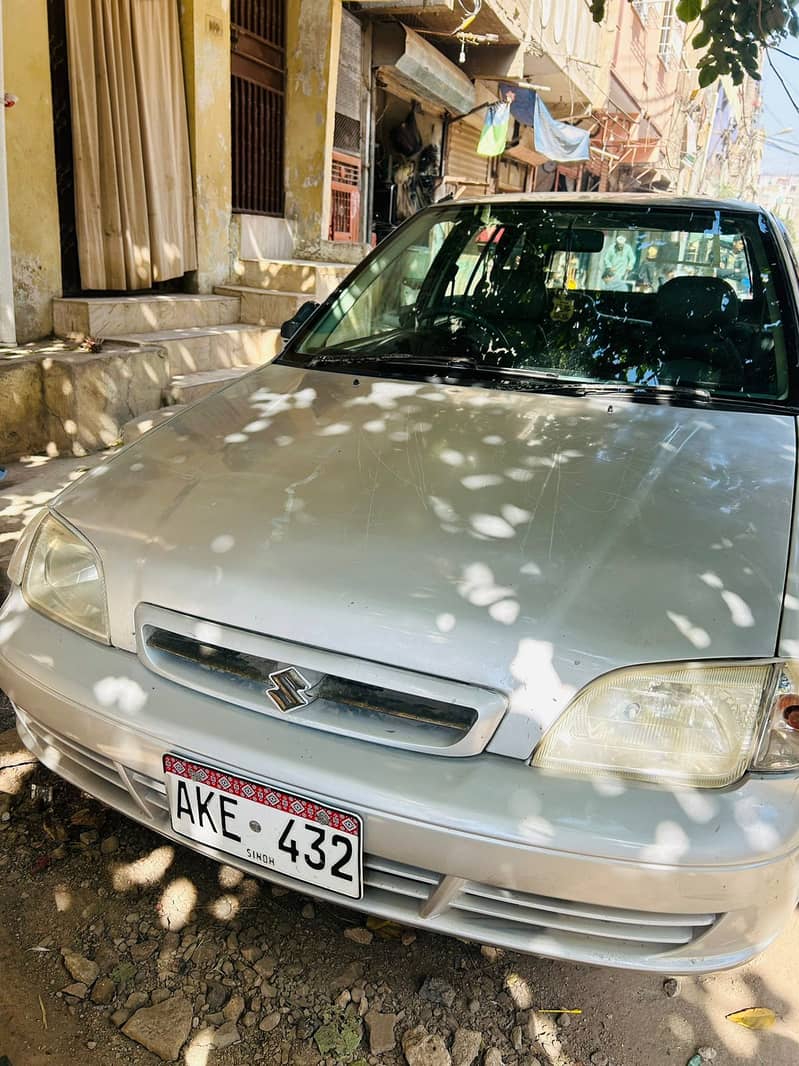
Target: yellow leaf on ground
{"points": [[754, 1018]]}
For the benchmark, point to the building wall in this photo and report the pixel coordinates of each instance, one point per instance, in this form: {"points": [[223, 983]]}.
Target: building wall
{"points": [[32, 202], [205, 29], [650, 79], [312, 50]]}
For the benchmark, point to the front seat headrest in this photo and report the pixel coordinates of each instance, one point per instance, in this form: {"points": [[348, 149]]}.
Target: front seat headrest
{"points": [[695, 304]]}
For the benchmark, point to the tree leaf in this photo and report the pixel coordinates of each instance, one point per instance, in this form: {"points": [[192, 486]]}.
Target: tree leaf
{"points": [[688, 10], [707, 75], [754, 1018]]}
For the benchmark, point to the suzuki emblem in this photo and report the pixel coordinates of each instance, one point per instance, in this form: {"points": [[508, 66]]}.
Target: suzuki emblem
{"points": [[288, 688]]}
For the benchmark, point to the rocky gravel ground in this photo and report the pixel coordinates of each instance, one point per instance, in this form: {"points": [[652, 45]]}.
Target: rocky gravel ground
{"points": [[116, 947]]}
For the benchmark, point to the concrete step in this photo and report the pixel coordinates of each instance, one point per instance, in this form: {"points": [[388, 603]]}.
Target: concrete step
{"points": [[211, 348], [113, 316], [67, 402], [188, 388], [315, 280], [265, 307]]}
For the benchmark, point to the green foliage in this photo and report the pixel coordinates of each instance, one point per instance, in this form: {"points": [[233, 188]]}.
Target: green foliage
{"points": [[732, 32]]}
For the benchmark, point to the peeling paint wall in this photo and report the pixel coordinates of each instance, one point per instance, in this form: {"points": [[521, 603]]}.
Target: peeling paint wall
{"points": [[205, 29], [312, 51], [32, 200]]}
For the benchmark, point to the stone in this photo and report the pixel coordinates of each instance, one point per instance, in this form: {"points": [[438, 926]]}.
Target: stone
{"points": [[159, 995], [136, 1000], [252, 953], [143, 951], [304, 1055], [249, 1019], [205, 954], [216, 995], [671, 986], [516, 1038], [119, 1017], [438, 991], [109, 845], [349, 976], [104, 991], [78, 990], [343, 999], [359, 935], [564, 1020], [80, 968], [162, 1029], [381, 1031], [308, 911], [707, 1054], [270, 1022], [492, 1057], [265, 966], [519, 991], [599, 1058], [490, 953], [424, 1049], [234, 1008], [466, 1047], [226, 1035]]}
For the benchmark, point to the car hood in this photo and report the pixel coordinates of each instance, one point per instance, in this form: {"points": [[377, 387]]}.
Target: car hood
{"points": [[520, 541]]}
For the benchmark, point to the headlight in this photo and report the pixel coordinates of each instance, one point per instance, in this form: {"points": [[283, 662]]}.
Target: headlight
{"points": [[63, 579], [678, 724]]}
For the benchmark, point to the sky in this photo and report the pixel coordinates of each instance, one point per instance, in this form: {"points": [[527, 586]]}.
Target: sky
{"points": [[778, 112]]}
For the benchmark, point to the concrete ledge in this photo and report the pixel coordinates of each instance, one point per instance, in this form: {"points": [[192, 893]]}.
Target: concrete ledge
{"points": [[111, 316], [264, 307], [88, 397], [315, 279], [22, 424], [211, 348]]}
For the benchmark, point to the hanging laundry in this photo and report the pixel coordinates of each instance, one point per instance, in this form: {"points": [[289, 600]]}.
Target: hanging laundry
{"points": [[522, 102], [495, 130], [558, 140]]}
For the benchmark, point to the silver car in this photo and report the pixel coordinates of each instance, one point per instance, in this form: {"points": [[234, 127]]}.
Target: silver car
{"points": [[478, 609]]}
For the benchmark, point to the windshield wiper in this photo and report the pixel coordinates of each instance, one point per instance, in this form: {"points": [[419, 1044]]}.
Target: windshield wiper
{"points": [[348, 356], [629, 388]]}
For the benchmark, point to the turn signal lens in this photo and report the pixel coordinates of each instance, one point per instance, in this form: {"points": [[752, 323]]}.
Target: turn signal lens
{"points": [[779, 749]]}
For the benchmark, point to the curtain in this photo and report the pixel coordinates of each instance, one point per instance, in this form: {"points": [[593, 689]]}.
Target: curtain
{"points": [[134, 203]]}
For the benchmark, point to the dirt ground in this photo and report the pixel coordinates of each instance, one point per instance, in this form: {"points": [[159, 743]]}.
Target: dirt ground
{"points": [[273, 973], [234, 972]]}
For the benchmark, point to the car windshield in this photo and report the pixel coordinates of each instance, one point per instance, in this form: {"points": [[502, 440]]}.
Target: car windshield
{"points": [[680, 298]]}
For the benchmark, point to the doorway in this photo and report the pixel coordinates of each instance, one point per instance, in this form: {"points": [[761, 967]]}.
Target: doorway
{"points": [[258, 86]]}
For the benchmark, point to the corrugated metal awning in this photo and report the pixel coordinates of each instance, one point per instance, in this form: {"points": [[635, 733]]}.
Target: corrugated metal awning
{"points": [[421, 68]]}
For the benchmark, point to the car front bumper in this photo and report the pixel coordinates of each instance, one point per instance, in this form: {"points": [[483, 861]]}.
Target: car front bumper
{"points": [[482, 848]]}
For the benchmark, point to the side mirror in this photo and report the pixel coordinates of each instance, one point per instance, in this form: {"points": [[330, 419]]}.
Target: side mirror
{"points": [[302, 314]]}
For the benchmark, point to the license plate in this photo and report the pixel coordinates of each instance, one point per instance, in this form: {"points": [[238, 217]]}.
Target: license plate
{"points": [[281, 832]]}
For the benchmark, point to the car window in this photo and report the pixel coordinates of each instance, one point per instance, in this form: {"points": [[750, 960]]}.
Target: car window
{"points": [[531, 287], [642, 260]]}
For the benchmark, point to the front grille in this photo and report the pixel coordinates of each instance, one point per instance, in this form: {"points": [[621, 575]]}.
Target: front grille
{"points": [[493, 913], [335, 693], [471, 910], [252, 673]]}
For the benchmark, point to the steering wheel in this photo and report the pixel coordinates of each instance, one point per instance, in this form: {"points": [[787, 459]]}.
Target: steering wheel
{"points": [[465, 312]]}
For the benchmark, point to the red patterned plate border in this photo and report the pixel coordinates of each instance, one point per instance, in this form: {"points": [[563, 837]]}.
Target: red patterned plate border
{"points": [[261, 793]]}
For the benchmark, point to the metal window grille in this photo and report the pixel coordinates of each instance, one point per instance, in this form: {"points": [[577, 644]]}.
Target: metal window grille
{"points": [[345, 198]]}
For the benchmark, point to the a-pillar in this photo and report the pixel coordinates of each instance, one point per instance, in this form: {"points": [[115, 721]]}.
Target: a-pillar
{"points": [[313, 36]]}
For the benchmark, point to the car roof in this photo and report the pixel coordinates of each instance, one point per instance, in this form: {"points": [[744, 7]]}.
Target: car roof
{"points": [[614, 199]]}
